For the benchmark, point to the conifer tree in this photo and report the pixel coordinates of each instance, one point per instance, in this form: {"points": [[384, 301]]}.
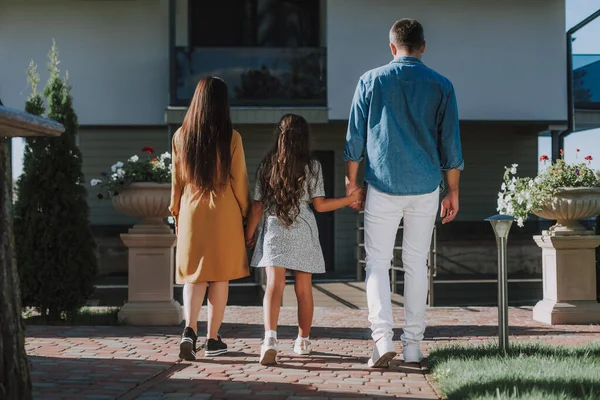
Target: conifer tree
{"points": [[55, 247]]}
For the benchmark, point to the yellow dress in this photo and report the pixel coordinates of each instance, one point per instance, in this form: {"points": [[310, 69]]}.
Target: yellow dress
{"points": [[210, 233]]}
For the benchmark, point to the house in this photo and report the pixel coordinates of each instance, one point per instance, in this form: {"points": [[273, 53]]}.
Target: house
{"points": [[134, 64]]}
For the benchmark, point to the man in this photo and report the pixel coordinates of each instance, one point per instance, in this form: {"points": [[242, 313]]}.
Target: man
{"points": [[404, 118]]}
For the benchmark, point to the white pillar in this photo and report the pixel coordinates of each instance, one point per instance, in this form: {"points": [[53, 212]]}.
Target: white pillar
{"points": [[150, 295], [569, 275]]}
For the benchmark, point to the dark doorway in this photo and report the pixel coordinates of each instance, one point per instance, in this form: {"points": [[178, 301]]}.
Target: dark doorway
{"points": [[325, 221]]}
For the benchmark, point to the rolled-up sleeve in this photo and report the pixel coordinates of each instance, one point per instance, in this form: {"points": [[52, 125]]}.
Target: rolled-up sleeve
{"points": [[450, 148], [356, 138]]}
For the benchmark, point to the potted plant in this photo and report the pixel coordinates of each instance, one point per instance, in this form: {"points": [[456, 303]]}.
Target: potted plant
{"points": [[139, 187], [565, 192]]}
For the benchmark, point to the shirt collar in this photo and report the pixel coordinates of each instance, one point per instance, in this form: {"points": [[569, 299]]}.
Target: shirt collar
{"points": [[407, 60]]}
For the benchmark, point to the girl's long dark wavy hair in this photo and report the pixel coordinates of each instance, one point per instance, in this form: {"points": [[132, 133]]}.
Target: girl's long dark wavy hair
{"points": [[283, 172], [206, 135]]}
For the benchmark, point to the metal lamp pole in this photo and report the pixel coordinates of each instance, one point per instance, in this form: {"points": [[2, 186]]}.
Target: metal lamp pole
{"points": [[501, 225]]}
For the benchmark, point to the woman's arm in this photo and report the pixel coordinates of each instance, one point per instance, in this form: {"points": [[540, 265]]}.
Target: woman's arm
{"points": [[321, 204], [239, 174], [256, 212], [176, 183]]}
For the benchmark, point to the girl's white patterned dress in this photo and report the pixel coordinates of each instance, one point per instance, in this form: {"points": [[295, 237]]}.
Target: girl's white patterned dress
{"points": [[296, 247]]}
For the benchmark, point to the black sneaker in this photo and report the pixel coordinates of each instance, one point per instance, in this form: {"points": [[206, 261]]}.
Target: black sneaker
{"points": [[187, 347], [215, 347]]}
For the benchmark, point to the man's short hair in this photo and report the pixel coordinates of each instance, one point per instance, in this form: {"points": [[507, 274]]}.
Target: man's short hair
{"points": [[407, 33]]}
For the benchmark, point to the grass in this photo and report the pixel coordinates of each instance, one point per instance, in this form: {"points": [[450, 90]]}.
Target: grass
{"points": [[529, 371], [85, 316]]}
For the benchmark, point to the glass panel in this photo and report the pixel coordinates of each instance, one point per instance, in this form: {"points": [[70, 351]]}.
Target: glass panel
{"points": [[256, 76], [254, 23], [586, 81]]}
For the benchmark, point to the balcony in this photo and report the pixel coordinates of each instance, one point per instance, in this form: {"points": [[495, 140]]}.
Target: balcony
{"points": [[256, 76], [586, 81]]}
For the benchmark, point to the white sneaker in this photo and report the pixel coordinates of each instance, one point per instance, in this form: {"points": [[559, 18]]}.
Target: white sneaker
{"points": [[268, 352], [383, 352], [412, 352], [302, 347]]}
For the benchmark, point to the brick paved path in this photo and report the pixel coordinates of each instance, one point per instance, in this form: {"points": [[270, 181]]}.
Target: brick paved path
{"points": [[141, 363]]}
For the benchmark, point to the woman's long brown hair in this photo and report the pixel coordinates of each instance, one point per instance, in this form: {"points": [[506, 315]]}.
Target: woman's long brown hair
{"points": [[206, 137], [282, 173]]}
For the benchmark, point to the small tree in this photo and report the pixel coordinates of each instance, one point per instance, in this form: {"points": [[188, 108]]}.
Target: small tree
{"points": [[55, 246]]}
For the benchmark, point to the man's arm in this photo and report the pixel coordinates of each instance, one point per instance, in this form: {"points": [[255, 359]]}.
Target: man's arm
{"points": [[356, 139], [450, 151]]}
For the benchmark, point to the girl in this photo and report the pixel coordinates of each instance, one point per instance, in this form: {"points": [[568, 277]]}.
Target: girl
{"points": [[287, 181], [209, 199]]}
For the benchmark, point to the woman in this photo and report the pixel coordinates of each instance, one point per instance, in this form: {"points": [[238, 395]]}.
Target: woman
{"points": [[209, 200]]}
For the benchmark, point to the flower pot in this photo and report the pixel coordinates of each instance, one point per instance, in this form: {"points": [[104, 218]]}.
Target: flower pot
{"points": [[568, 207], [148, 201]]}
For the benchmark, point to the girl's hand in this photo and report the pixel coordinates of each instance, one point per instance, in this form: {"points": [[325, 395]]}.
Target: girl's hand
{"points": [[250, 243]]}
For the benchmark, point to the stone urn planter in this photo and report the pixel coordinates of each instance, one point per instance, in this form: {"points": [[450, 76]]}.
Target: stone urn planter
{"points": [[148, 201], [568, 207], [569, 259], [151, 246]]}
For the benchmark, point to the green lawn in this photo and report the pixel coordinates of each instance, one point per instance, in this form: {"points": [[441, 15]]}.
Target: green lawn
{"points": [[529, 371]]}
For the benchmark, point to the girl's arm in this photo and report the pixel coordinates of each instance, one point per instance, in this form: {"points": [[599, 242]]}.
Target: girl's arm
{"points": [[256, 212], [321, 204]]}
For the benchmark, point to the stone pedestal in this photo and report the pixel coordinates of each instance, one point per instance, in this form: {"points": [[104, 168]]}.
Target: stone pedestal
{"points": [[569, 272], [150, 297]]}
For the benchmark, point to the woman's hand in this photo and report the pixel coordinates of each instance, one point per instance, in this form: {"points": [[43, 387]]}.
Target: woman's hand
{"points": [[250, 242]]}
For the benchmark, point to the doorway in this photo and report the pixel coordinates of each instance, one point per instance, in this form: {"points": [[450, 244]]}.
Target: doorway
{"points": [[325, 221]]}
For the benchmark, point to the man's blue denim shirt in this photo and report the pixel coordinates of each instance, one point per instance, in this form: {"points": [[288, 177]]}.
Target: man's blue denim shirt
{"points": [[404, 117]]}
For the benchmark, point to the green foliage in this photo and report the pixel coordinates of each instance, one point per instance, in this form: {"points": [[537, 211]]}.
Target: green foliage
{"points": [[55, 247], [134, 170]]}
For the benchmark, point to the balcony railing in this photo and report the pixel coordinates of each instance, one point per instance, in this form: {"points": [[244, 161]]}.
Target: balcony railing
{"points": [[256, 76], [586, 81]]}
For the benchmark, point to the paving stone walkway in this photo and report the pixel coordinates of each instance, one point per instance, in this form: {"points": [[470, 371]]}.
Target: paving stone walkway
{"points": [[141, 363]]}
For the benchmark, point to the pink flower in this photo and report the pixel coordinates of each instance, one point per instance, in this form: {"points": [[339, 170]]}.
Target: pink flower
{"points": [[148, 150], [588, 158], [544, 158]]}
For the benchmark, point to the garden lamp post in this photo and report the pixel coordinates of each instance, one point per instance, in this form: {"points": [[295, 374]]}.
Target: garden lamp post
{"points": [[501, 225]]}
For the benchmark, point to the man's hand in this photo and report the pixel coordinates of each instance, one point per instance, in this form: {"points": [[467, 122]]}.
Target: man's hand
{"points": [[449, 206], [352, 187]]}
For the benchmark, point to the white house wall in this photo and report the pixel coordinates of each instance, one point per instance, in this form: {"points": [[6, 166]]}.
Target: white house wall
{"points": [[505, 58], [116, 53]]}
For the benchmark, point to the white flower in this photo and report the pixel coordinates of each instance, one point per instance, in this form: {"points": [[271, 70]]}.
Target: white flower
{"points": [[171, 219], [120, 173], [511, 187], [95, 182], [509, 209], [114, 177], [520, 222], [134, 159], [513, 180], [530, 183], [508, 198], [116, 166], [165, 156], [538, 180], [503, 187], [513, 169], [170, 167]]}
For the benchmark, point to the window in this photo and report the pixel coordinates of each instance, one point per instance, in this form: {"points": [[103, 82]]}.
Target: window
{"points": [[254, 23]]}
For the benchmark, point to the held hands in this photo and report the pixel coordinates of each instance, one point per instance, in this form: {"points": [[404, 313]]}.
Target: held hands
{"points": [[449, 207], [250, 240], [357, 194]]}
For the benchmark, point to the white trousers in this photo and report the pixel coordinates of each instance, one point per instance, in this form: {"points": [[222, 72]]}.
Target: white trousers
{"points": [[383, 214]]}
